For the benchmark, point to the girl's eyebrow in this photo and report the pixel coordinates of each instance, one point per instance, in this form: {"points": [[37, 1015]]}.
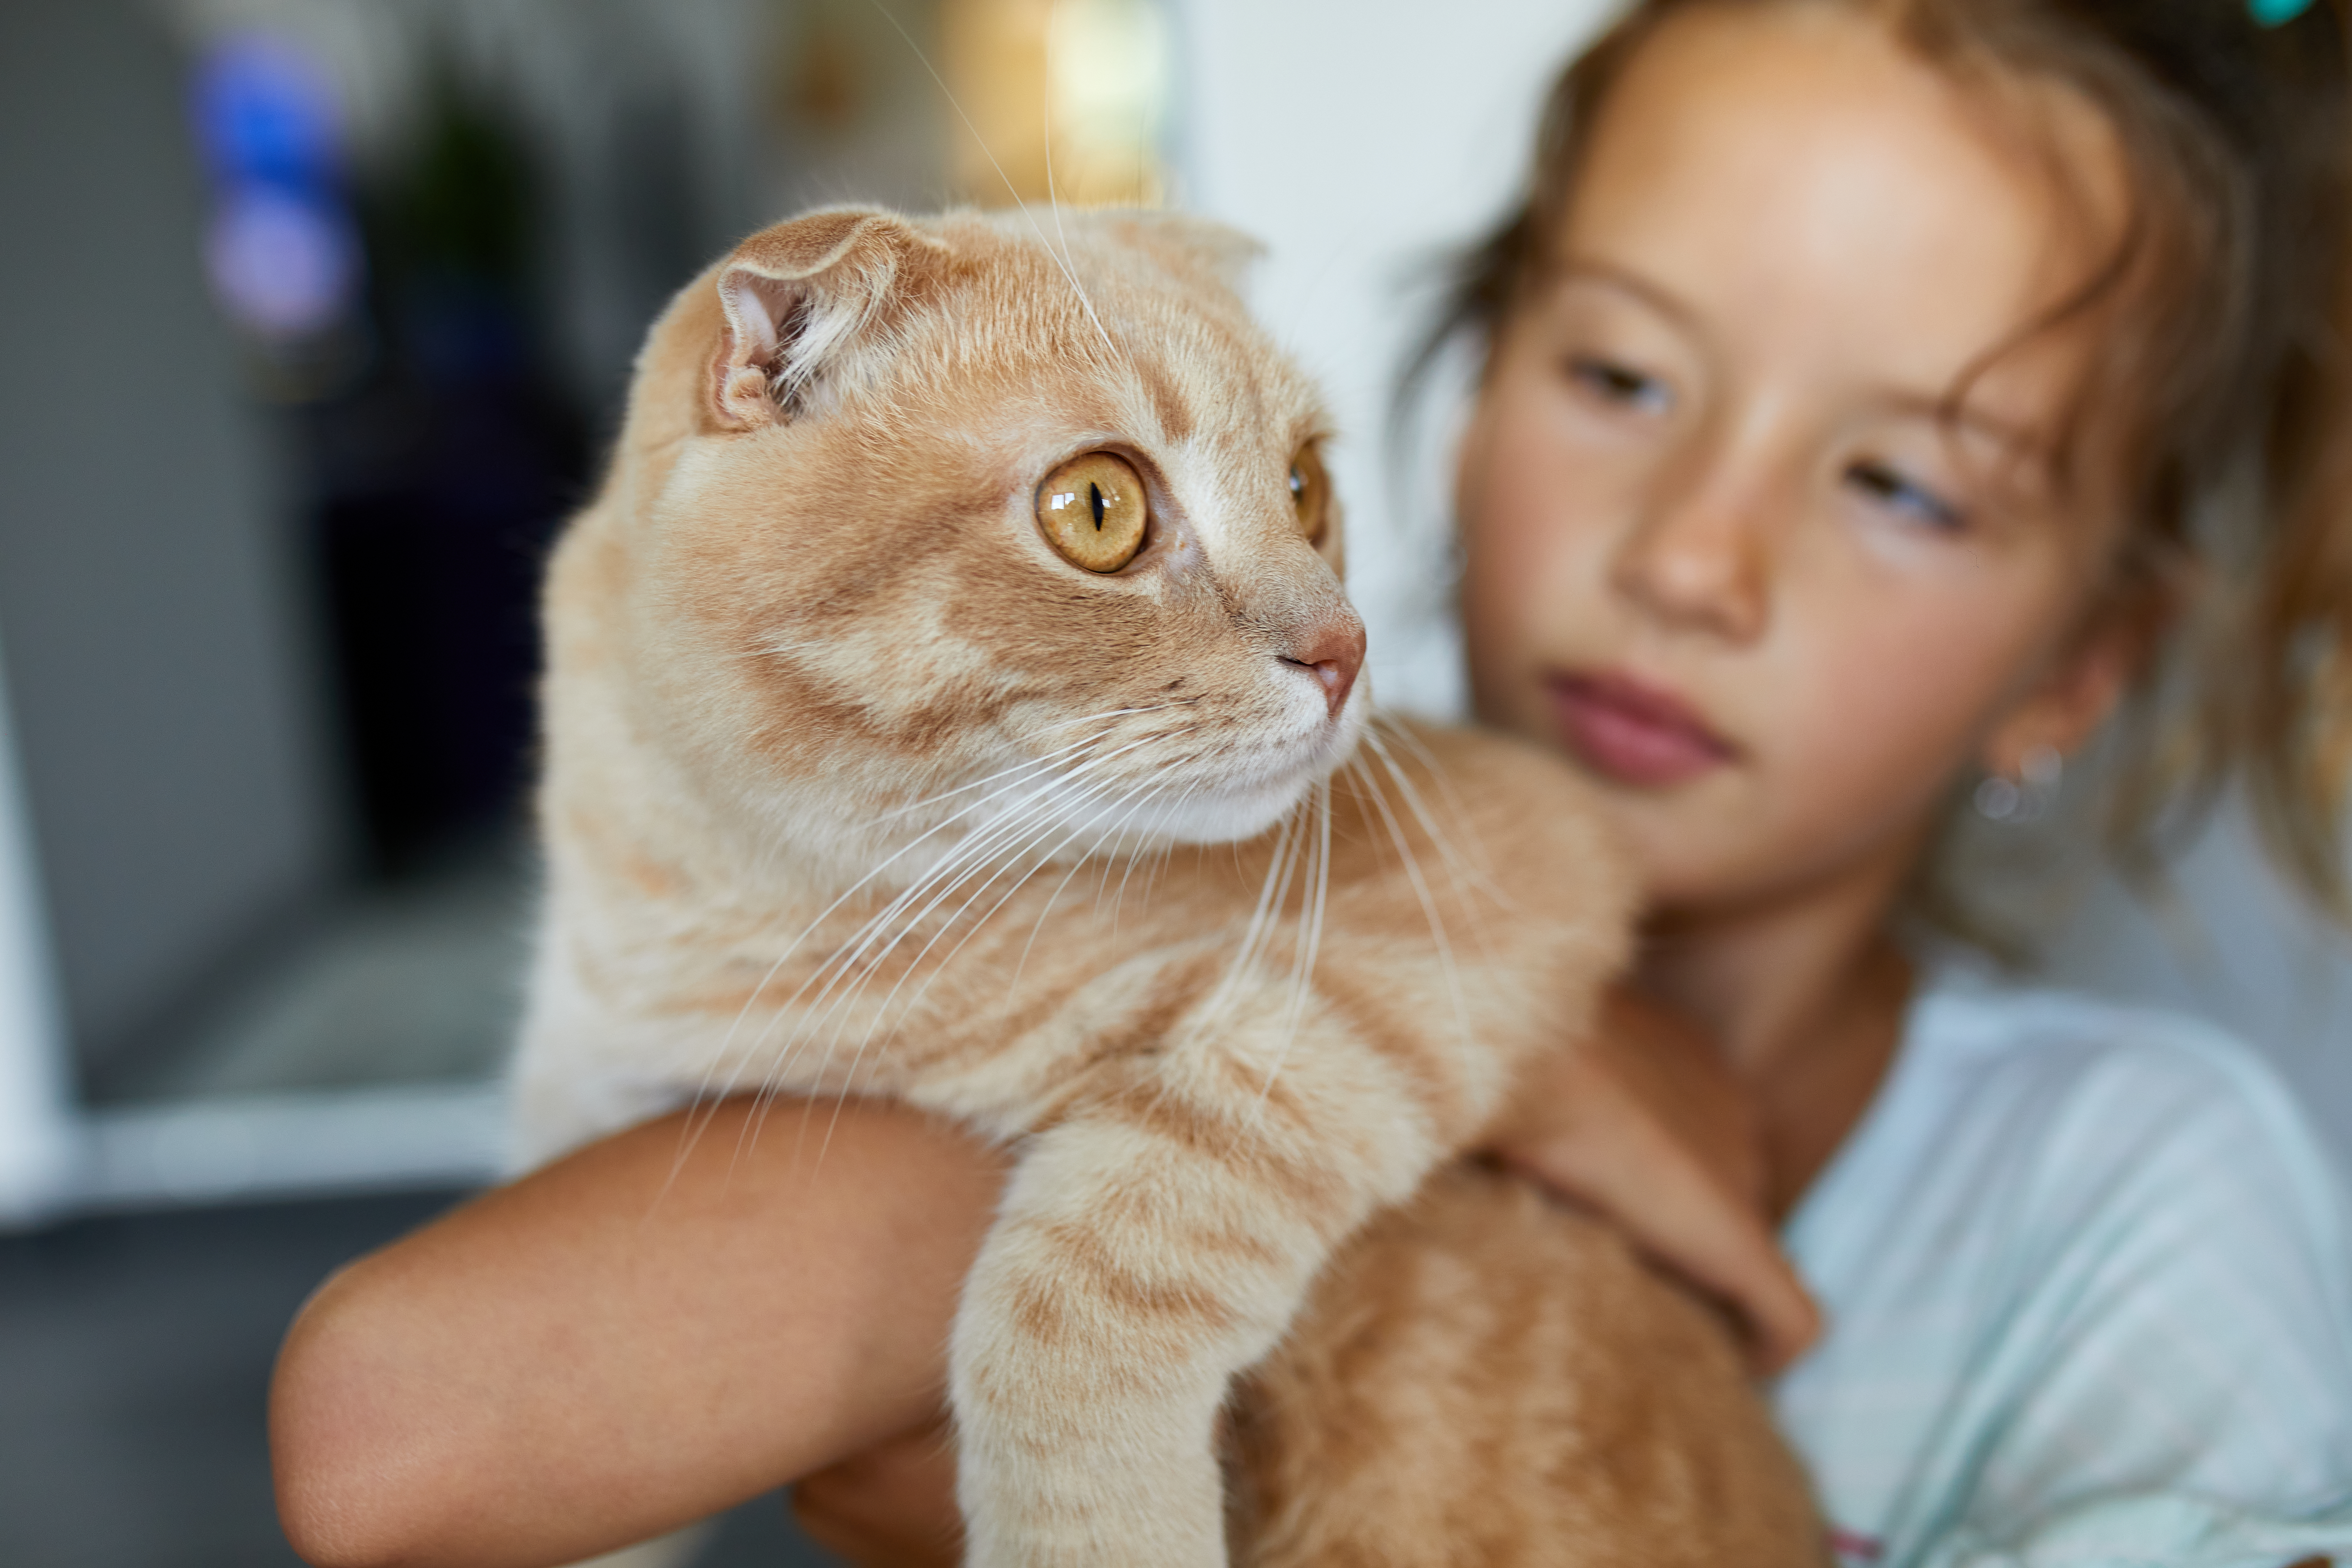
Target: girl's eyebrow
{"points": [[1591, 269], [1938, 407]]}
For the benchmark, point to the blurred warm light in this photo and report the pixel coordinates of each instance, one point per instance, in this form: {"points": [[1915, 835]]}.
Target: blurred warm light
{"points": [[1065, 99]]}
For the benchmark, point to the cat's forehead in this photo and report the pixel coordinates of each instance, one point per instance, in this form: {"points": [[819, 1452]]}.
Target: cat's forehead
{"points": [[1119, 320]]}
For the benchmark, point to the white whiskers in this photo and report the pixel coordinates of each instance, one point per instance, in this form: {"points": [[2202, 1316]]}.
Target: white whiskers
{"points": [[1411, 866], [1060, 259], [1056, 796], [1063, 810]]}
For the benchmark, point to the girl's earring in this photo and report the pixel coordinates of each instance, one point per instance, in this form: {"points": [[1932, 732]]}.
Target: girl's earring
{"points": [[2029, 797]]}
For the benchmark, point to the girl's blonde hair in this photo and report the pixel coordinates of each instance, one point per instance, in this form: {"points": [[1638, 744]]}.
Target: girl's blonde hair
{"points": [[2229, 362]]}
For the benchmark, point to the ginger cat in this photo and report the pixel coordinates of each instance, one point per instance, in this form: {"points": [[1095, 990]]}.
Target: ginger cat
{"points": [[952, 697]]}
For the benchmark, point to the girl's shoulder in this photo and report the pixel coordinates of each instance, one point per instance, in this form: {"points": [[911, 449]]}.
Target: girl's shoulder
{"points": [[1968, 1026], [2043, 1132], [2076, 1248], [2070, 1104]]}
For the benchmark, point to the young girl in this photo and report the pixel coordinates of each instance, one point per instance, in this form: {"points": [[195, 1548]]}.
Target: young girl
{"points": [[1872, 388]]}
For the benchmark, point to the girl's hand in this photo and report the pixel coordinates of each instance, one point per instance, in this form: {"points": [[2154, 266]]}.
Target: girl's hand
{"points": [[1643, 1123], [893, 1505]]}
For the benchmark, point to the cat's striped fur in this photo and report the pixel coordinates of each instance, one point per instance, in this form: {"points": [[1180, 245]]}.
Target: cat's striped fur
{"points": [[854, 786]]}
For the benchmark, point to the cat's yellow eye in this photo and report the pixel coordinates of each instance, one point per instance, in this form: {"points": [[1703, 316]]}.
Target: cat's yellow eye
{"points": [[1093, 511], [1311, 494]]}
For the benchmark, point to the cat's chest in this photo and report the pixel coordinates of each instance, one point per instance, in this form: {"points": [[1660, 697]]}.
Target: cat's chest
{"points": [[830, 988]]}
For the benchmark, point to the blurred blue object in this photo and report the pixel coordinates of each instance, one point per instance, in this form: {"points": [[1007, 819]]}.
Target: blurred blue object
{"points": [[282, 251], [266, 113]]}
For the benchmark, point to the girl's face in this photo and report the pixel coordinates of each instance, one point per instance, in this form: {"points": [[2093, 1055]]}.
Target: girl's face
{"points": [[1722, 542]]}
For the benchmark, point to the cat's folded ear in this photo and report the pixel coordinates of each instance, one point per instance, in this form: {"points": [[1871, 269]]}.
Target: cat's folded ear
{"points": [[795, 297]]}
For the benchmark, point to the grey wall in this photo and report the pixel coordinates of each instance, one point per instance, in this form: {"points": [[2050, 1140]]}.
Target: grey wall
{"points": [[161, 681]]}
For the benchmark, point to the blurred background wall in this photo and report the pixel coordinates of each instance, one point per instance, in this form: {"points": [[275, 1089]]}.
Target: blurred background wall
{"points": [[163, 664], [319, 314]]}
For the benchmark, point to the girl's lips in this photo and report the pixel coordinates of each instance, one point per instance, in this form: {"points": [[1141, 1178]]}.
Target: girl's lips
{"points": [[1633, 733]]}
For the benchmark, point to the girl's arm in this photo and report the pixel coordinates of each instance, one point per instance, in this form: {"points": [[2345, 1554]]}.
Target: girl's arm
{"points": [[637, 1336], [652, 1330]]}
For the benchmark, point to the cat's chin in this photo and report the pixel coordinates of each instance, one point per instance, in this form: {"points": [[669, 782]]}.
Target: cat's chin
{"points": [[1234, 818], [1245, 808]]}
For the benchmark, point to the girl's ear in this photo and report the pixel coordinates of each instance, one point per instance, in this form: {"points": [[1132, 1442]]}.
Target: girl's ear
{"points": [[794, 297], [2078, 693]]}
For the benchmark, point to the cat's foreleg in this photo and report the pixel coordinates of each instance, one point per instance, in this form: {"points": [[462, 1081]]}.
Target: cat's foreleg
{"points": [[1151, 1247]]}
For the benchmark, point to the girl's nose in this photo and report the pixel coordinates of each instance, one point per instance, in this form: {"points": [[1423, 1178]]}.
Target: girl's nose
{"points": [[1700, 556]]}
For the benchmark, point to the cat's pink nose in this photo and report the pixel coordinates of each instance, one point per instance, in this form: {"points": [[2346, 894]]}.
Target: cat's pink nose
{"points": [[1332, 653]]}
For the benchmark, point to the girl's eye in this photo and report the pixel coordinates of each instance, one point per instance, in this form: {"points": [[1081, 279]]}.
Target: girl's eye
{"points": [[1619, 384], [1890, 489]]}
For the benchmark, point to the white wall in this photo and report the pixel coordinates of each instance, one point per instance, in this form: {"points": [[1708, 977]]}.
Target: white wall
{"points": [[1360, 140], [1354, 137]]}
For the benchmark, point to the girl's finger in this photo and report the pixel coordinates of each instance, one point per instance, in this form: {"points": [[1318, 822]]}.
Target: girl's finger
{"points": [[1673, 1209]]}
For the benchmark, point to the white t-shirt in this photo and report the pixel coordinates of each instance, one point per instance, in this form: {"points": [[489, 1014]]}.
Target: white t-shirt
{"points": [[2089, 1283]]}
